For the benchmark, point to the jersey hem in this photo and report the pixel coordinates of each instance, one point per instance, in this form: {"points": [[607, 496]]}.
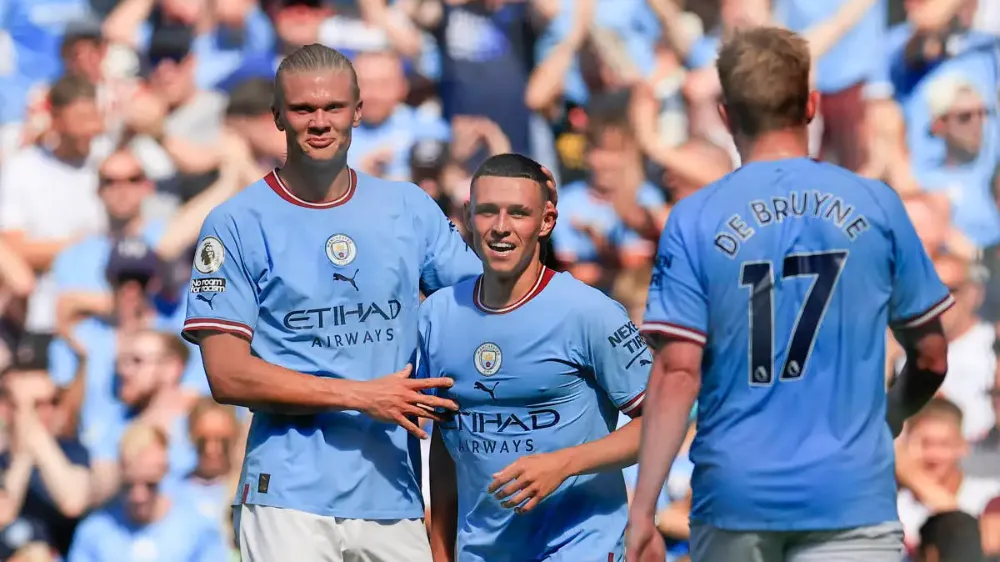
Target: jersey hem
{"points": [[322, 512], [193, 326], [926, 316], [675, 331], [746, 526]]}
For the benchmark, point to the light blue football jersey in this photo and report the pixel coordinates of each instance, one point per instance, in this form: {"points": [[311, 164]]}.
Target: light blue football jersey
{"points": [[330, 290], [788, 272], [547, 373]]}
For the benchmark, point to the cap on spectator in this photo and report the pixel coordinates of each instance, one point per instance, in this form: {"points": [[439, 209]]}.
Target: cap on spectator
{"points": [[954, 535], [170, 42], [942, 92], [132, 260], [428, 157]]}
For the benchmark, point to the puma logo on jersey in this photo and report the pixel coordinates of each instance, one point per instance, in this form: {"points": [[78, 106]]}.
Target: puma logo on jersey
{"points": [[346, 279]]}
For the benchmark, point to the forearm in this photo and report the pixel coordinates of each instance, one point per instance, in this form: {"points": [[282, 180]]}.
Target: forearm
{"points": [[254, 383], [122, 24], [403, 36], [823, 36], [669, 14], [444, 501], [182, 230], [71, 307], [15, 273], [15, 484], [66, 483], [191, 158], [548, 79], [914, 387], [71, 400], [615, 451], [39, 254], [669, 398]]}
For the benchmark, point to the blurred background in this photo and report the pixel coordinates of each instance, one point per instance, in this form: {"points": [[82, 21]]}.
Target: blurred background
{"points": [[124, 122]]}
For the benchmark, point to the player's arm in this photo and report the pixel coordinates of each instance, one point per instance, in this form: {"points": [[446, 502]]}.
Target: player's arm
{"points": [[221, 314], [917, 302], [610, 348], [447, 258], [444, 500], [675, 325]]}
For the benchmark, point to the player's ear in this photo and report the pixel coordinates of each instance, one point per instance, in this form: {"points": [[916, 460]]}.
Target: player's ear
{"points": [[277, 118], [724, 115], [812, 105], [357, 113], [549, 215]]}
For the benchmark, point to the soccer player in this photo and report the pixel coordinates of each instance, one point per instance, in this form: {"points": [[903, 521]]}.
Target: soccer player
{"points": [[530, 467], [771, 294], [304, 299]]}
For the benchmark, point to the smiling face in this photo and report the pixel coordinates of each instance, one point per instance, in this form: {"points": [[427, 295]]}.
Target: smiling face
{"points": [[317, 110], [507, 217]]}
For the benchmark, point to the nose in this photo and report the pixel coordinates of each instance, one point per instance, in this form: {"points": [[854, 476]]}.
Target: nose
{"points": [[320, 121], [501, 226]]}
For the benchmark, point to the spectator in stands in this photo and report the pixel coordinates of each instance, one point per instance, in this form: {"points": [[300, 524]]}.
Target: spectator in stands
{"points": [[215, 432], [985, 457], [177, 126], [381, 145], [950, 537], [145, 522], [935, 443], [971, 360], [249, 117], [592, 239], [48, 195], [150, 367], [429, 161], [989, 528], [47, 482], [935, 41], [960, 120]]}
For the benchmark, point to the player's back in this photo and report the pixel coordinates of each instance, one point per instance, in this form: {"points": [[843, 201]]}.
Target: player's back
{"points": [[796, 262]]}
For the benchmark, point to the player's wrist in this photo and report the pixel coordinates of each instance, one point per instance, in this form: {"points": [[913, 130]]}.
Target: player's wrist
{"points": [[348, 395]]}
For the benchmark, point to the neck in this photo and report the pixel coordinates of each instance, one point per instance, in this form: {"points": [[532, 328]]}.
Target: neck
{"points": [[955, 156], [123, 227], [67, 155], [130, 325], [316, 182], [774, 145], [500, 292]]}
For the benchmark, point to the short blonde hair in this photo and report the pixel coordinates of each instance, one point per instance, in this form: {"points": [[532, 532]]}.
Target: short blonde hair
{"points": [[140, 436], [764, 72], [311, 58]]}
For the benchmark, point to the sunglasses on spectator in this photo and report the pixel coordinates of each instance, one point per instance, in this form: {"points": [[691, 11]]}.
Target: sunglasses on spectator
{"points": [[150, 486], [201, 442], [110, 180]]}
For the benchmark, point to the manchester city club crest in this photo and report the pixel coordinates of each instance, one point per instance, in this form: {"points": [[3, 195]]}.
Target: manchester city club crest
{"points": [[341, 249], [488, 359], [209, 256]]}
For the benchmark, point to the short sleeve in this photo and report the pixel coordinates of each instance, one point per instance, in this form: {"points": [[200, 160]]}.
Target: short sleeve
{"points": [[617, 354], [677, 306], [223, 295], [447, 258], [918, 295]]}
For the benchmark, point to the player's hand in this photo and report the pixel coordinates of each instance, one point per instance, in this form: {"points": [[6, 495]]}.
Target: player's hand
{"points": [[551, 186], [643, 541], [396, 398], [529, 480]]}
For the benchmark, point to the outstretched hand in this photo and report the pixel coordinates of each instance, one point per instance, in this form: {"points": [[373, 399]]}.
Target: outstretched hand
{"points": [[396, 398]]}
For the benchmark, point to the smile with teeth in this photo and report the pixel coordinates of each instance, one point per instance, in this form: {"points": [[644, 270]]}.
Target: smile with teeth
{"points": [[501, 247]]}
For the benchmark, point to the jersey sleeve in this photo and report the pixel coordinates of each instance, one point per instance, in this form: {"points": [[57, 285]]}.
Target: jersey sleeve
{"points": [[223, 296], [677, 306], [918, 295], [447, 258], [617, 354]]}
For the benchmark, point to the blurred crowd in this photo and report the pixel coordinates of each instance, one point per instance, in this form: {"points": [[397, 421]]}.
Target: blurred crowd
{"points": [[124, 122]]}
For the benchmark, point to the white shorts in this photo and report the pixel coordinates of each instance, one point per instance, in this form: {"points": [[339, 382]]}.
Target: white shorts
{"points": [[877, 543], [273, 534]]}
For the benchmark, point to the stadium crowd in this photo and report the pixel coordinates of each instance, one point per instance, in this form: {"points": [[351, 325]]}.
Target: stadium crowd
{"points": [[124, 122]]}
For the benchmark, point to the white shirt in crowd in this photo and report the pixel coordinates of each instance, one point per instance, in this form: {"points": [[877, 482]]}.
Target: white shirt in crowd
{"points": [[47, 199], [973, 495]]}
